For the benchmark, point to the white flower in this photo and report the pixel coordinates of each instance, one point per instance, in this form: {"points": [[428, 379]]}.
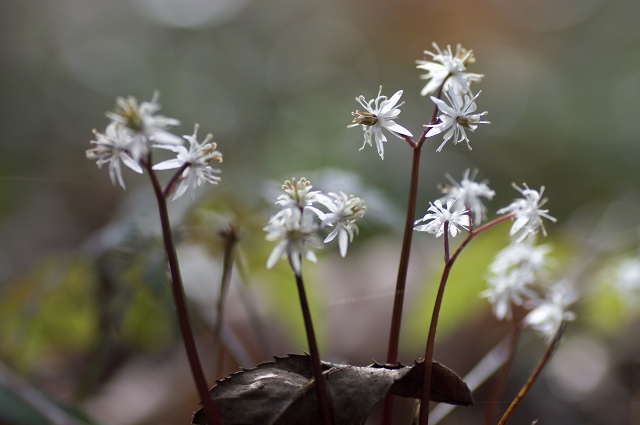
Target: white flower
{"points": [[344, 212], [298, 194], [145, 127], [627, 281], [456, 118], [549, 313], [514, 269], [112, 148], [195, 162], [294, 232], [446, 64], [531, 261], [380, 113], [504, 290], [528, 215], [467, 194], [439, 216]]}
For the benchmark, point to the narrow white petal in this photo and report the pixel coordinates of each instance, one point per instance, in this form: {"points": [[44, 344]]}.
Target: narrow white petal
{"points": [[276, 253], [169, 164], [343, 242], [398, 129], [131, 163]]}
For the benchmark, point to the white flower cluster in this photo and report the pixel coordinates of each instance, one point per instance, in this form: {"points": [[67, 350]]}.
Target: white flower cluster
{"points": [[519, 268], [135, 129], [548, 313], [513, 274], [446, 74], [297, 225], [460, 202], [517, 276], [448, 71]]}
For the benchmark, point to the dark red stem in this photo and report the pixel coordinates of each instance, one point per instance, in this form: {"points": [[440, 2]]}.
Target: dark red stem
{"points": [[534, 375], [428, 355], [208, 404], [230, 236], [321, 389], [398, 300]]}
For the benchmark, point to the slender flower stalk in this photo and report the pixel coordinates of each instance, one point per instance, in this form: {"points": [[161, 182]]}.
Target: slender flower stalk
{"points": [[392, 353], [401, 281], [180, 302], [134, 130], [428, 356], [321, 388], [295, 228], [534, 375], [403, 265], [230, 237]]}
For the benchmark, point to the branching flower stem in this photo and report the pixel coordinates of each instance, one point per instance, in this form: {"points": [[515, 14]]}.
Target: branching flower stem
{"points": [[428, 356], [180, 301], [398, 301], [534, 375], [321, 389]]}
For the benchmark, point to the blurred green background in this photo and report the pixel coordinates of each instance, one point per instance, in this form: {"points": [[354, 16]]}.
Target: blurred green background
{"points": [[86, 313]]}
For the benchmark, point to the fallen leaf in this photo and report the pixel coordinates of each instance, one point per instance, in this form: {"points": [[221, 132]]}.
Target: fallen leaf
{"points": [[282, 392]]}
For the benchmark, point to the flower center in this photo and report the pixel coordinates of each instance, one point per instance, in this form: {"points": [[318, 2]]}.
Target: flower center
{"points": [[364, 118], [465, 120]]}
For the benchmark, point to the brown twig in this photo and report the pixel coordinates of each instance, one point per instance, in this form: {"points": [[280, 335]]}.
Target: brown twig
{"points": [[534, 375]]}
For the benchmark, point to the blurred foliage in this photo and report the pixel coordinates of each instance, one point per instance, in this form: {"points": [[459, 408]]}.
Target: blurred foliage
{"points": [[48, 313]]}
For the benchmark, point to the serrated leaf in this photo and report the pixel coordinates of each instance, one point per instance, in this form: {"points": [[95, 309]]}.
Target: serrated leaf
{"points": [[283, 392]]}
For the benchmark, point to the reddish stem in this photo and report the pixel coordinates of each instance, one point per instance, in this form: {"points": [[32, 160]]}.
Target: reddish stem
{"points": [[321, 389], [177, 288], [428, 356], [230, 236], [398, 301], [534, 375]]}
